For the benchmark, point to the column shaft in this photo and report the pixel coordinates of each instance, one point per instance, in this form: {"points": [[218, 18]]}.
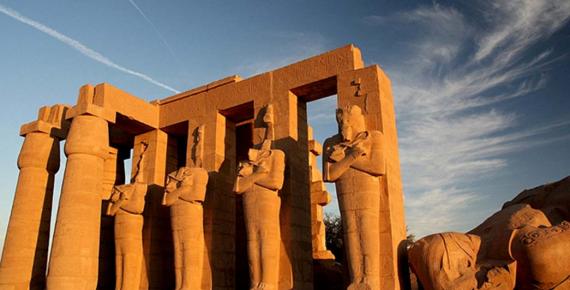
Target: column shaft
{"points": [[75, 251], [24, 258]]}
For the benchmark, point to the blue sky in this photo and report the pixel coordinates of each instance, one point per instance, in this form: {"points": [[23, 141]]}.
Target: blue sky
{"points": [[481, 88]]}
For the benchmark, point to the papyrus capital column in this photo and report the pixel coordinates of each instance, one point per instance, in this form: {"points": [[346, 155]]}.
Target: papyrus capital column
{"points": [[75, 251], [24, 258]]}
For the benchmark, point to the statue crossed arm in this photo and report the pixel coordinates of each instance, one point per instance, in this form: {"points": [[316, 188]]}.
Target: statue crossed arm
{"points": [[121, 198], [366, 156], [186, 184], [258, 181], [354, 160], [184, 193], [127, 205], [118, 198], [267, 173]]}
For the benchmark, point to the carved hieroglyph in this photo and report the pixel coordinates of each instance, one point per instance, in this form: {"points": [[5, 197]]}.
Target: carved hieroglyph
{"points": [[259, 180], [127, 205], [354, 160], [184, 193], [524, 245], [319, 198]]}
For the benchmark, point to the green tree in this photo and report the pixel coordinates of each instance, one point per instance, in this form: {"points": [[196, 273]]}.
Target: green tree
{"points": [[334, 236]]}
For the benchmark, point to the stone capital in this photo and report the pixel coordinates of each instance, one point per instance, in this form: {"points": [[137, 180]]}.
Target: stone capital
{"points": [[91, 109], [43, 127], [89, 135], [50, 121]]}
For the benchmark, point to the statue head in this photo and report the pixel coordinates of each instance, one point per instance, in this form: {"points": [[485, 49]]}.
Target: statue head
{"points": [[350, 122], [269, 120], [268, 116], [198, 146], [245, 168], [188, 184], [176, 178], [252, 154]]}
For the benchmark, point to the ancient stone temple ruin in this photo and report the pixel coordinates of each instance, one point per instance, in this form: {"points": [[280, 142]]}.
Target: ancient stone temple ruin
{"points": [[225, 190]]}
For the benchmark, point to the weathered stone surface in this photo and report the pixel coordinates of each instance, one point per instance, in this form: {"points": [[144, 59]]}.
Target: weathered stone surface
{"points": [[74, 257], [259, 180], [127, 204], [185, 191], [200, 137], [319, 198], [354, 160], [524, 245], [24, 260]]}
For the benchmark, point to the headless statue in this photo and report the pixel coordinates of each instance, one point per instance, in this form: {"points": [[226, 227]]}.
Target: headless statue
{"points": [[184, 193], [127, 205], [259, 179], [354, 160], [523, 246]]}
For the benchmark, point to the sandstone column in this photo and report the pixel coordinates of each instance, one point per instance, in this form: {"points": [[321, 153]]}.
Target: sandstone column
{"points": [[24, 259], [75, 251]]}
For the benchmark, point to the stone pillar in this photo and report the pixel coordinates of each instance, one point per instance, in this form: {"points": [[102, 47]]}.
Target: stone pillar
{"points": [[24, 259], [319, 199], [74, 255], [370, 89], [158, 264]]}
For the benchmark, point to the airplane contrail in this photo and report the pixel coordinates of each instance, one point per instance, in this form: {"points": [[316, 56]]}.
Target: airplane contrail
{"points": [[160, 36], [81, 47]]}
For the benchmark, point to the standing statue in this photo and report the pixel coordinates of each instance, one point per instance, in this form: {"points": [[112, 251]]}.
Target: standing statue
{"points": [[354, 160], [259, 179], [184, 193], [127, 205]]}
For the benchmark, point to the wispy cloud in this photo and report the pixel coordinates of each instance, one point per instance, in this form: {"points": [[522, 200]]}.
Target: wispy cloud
{"points": [[520, 25], [81, 47], [451, 132]]}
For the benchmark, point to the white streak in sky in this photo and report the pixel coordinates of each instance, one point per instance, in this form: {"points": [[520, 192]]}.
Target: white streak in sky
{"points": [[81, 47], [160, 36]]}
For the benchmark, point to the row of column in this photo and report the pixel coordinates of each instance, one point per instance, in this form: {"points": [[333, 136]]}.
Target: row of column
{"points": [[74, 254]]}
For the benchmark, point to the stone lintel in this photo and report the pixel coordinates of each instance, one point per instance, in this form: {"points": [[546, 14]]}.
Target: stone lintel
{"points": [[200, 89], [91, 109], [118, 101], [273, 86], [318, 68], [106, 101], [38, 126]]}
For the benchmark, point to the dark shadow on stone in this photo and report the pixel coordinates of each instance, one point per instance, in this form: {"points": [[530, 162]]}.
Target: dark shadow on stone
{"points": [[329, 275], [404, 268], [106, 275]]}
